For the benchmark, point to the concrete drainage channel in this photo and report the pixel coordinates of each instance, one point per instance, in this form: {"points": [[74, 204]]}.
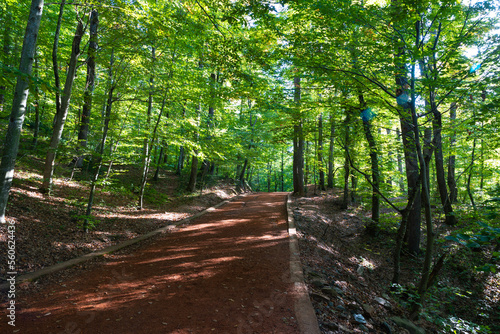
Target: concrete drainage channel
{"points": [[304, 311]]}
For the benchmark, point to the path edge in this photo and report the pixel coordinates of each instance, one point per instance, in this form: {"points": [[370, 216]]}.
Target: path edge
{"points": [[29, 277], [304, 311]]}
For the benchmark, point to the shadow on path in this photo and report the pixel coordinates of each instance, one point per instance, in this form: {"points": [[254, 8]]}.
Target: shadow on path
{"points": [[225, 272]]}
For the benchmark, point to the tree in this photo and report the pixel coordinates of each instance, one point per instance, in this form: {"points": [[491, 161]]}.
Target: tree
{"points": [[63, 106], [89, 86], [11, 143]]}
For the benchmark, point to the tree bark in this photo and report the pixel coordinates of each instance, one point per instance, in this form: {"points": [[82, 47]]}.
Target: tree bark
{"points": [[11, 143], [320, 154], [146, 151], [452, 183], [36, 127], [400, 163], [194, 161], [62, 112], [347, 170], [331, 162], [440, 175], [298, 144], [367, 126], [100, 157], [282, 169], [89, 86]]}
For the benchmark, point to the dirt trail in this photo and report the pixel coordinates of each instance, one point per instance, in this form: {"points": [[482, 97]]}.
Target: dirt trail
{"points": [[225, 272]]}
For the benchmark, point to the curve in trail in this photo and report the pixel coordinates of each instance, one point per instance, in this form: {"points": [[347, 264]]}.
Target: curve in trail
{"points": [[225, 272]]}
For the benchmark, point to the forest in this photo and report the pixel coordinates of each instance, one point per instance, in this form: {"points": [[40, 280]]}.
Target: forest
{"points": [[392, 103]]}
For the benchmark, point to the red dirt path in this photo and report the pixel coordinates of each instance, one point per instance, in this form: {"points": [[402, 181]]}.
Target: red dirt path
{"points": [[225, 272]]}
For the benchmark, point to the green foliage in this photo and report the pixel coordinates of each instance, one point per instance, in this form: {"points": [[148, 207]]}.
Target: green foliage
{"points": [[485, 236]]}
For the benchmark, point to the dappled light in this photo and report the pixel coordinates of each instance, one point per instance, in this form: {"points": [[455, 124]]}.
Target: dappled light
{"points": [[215, 260]]}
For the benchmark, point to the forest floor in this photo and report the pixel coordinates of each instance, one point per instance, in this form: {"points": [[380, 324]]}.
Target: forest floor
{"points": [[49, 228], [349, 272], [224, 272]]}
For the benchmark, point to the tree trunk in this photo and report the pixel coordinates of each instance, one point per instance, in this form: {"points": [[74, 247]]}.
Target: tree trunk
{"points": [[440, 175], [194, 161], [36, 129], [89, 86], [146, 151], [331, 163], [367, 126], [412, 175], [320, 154], [194, 172], [298, 144], [282, 169], [55, 63], [62, 112], [11, 143], [347, 169], [452, 183], [180, 161], [156, 177], [411, 157], [471, 171], [400, 163], [100, 157], [269, 176]]}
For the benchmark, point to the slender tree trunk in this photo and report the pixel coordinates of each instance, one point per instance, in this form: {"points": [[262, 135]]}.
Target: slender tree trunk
{"points": [[269, 171], [412, 175], [180, 161], [347, 169], [400, 164], [452, 183], [367, 127], [194, 160], [89, 86], [100, 157], [147, 150], [331, 162], [427, 151], [440, 175], [471, 172], [425, 189], [307, 172], [55, 63], [298, 144], [320, 154], [11, 143], [282, 169], [36, 129], [62, 112], [156, 177], [411, 155]]}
